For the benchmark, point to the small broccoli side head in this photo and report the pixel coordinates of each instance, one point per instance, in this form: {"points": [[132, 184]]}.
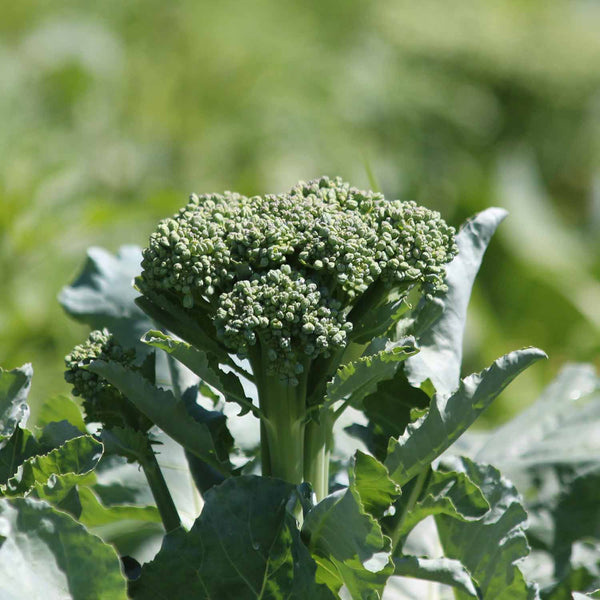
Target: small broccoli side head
{"points": [[282, 276], [102, 402]]}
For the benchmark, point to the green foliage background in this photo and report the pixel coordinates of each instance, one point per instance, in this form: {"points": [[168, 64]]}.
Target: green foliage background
{"points": [[112, 112]]}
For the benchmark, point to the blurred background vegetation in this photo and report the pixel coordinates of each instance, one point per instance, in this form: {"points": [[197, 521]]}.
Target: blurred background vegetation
{"points": [[112, 112]]}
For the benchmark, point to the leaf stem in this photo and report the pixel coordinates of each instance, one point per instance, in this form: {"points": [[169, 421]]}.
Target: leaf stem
{"points": [[160, 491], [410, 503]]}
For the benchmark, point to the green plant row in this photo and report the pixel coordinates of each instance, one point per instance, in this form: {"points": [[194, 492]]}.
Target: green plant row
{"points": [[276, 410]]}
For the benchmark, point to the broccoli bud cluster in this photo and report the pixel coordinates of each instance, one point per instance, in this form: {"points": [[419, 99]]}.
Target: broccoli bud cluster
{"points": [[288, 315], [285, 270], [102, 402]]}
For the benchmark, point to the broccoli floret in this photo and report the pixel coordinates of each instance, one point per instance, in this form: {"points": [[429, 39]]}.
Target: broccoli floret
{"points": [[285, 270], [286, 281], [102, 402]]}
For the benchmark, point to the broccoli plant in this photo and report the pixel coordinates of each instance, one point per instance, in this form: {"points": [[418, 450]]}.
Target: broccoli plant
{"points": [[297, 284], [331, 319]]}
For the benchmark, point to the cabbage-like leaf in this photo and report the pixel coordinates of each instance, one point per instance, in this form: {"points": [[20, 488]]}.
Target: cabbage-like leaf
{"points": [[59, 408], [490, 547], [195, 327], [14, 389], [348, 545], [166, 411], [198, 362], [561, 427], [372, 481], [55, 475], [45, 552], [440, 322], [441, 570], [446, 493], [359, 378], [449, 417], [103, 295], [245, 544]]}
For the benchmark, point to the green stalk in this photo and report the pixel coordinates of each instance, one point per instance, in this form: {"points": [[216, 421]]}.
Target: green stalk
{"points": [[410, 504], [160, 491], [317, 450], [285, 413]]}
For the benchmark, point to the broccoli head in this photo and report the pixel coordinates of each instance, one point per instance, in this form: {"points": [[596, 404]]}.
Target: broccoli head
{"points": [[102, 402], [279, 274]]}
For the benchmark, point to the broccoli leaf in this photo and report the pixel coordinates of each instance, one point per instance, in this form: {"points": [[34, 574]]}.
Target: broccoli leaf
{"points": [[347, 542], [439, 323], [59, 408], [489, 547], [163, 409], [14, 389], [448, 493], [73, 460], [21, 446], [103, 296], [379, 320], [390, 408], [198, 362], [449, 417], [441, 570], [371, 480], [44, 551], [561, 427], [245, 544], [359, 378]]}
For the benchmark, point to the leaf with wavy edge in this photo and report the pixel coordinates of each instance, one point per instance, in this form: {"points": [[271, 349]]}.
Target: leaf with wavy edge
{"points": [[359, 378], [491, 546], [46, 553], [345, 540], [163, 409], [440, 323], [441, 570], [449, 493], [14, 389], [198, 362], [245, 544], [449, 417], [372, 481], [76, 457]]}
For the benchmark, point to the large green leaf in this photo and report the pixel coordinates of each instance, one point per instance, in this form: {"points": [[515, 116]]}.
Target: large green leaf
{"points": [[389, 409], [103, 296], [348, 546], [446, 492], [440, 322], [200, 363], [60, 408], [73, 460], [166, 411], [14, 451], [244, 545], [372, 481], [491, 546], [561, 427], [441, 570], [45, 553], [122, 486], [359, 378], [449, 417], [14, 388], [551, 453]]}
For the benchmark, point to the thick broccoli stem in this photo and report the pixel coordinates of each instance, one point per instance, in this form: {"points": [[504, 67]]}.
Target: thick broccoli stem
{"points": [[284, 407], [317, 450]]}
